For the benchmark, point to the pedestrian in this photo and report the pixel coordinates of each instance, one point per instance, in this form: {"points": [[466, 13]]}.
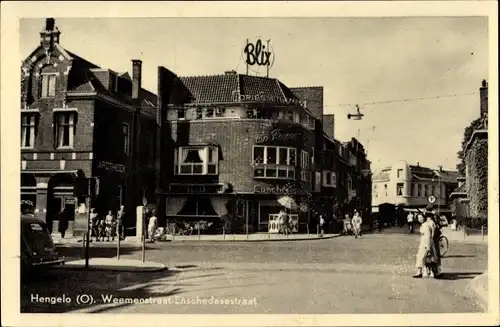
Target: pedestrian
{"points": [[62, 217], [409, 219], [426, 251], [110, 224], [152, 225], [356, 224], [436, 235], [322, 225], [283, 220], [94, 224], [120, 218]]}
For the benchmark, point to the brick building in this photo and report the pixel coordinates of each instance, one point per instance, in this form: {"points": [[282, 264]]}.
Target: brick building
{"points": [[76, 116], [231, 145], [470, 199]]}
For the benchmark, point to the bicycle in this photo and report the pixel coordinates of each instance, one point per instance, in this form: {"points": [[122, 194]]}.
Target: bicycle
{"points": [[443, 245]]}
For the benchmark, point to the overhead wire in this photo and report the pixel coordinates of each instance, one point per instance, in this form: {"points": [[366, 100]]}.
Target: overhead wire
{"points": [[403, 100]]}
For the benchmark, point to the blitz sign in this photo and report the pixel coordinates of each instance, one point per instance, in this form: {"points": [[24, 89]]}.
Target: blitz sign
{"points": [[257, 54]]}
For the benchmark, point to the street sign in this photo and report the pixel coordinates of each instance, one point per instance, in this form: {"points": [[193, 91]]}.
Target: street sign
{"points": [[431, 199]]}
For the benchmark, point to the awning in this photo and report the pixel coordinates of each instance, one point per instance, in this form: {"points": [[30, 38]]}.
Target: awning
{"points": [[174, 205]]}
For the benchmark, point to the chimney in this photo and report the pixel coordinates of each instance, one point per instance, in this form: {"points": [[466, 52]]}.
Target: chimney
{"points": [[483, 94], [136, 78], [50, 35], [440, 168], [418, 164], [329, 125]]}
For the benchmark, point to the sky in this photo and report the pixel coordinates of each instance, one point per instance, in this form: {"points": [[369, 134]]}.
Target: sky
{"points": [[356, 60]]}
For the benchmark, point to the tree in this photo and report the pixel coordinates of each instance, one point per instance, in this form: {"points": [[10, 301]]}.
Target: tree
{"points": [[475, 124]]}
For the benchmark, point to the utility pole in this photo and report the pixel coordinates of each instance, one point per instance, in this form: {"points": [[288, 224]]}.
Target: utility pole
{"points": [[87, 238]]}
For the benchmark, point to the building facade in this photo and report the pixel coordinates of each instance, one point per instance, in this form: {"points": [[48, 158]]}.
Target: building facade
{"points": [[409, 186], [77, 116], [471, 197], [233, 144]]}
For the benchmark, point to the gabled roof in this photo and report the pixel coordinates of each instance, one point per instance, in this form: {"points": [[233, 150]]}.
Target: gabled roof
{"points": [[213, 89]]}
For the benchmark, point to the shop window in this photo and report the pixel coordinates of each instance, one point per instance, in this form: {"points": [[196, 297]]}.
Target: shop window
{"points": [[65, 129], [196, 160], [274, 162], [126, 138], [28, 131], [399, 189], [198, 207], [48, 86]]}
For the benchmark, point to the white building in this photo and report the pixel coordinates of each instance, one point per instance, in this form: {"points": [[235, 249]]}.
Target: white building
{"points": [[410, 186]]}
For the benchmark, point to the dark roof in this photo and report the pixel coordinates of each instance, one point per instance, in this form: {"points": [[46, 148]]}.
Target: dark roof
{"points": [[87, 77], [225, 88], [449, 175]]}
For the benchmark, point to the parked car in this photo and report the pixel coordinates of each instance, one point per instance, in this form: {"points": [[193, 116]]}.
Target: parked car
{"points": [[37, 246]]}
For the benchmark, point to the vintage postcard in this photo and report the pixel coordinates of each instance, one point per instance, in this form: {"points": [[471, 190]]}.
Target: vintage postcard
{"points": [[253, 163]]}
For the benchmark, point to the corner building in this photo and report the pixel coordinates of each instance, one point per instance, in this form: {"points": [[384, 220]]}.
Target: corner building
{"points": [[76, 116], [233, 144]]}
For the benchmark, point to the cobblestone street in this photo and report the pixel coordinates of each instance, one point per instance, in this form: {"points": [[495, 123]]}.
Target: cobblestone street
{"points": [[339, 275]]}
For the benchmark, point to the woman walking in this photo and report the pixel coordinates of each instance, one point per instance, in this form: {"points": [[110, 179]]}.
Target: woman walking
{"points": [[426, 255], [152, 225]]}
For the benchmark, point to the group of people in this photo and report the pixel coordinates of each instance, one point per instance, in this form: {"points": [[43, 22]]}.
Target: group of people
{"points": [[428, 259], [353, 223], [109, 227]]}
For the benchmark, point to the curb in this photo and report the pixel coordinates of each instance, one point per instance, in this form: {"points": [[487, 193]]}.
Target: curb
{"points": [[255, 241], [228, 240], [477, 287], [111, 268]]}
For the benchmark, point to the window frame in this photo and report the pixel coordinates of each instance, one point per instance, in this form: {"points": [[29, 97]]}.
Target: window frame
{"points": [[276, 167], [178, 171], [126, 138], [31, 125], [305, 162], [71, 125], [400, 187], [45, 85]]}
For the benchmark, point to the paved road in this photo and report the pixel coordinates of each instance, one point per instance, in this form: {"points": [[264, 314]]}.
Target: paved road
{"points": [[341, 275]]}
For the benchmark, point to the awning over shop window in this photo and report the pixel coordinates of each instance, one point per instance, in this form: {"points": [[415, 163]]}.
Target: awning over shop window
{"points": [[219, 204], [174, 205], [195, 206]]}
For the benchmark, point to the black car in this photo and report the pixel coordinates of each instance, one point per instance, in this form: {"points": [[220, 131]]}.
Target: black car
{"points": [[37, 247]]}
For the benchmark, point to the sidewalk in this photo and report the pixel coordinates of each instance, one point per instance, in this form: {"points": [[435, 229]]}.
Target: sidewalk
{"points": [[112, 264], [260, 237], [479, 286], [459, 236]]}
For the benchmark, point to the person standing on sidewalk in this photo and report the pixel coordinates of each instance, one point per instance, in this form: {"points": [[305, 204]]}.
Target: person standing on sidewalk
{"points": [[110, 226], [63, 218], [152, 225], [322, 225], [356, 224], [409, 219], [120, 217], [282, 221]]}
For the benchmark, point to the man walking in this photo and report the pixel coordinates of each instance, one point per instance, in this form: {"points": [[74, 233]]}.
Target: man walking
{"points": [[410, 222], [356, 224], [321, 225]]}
